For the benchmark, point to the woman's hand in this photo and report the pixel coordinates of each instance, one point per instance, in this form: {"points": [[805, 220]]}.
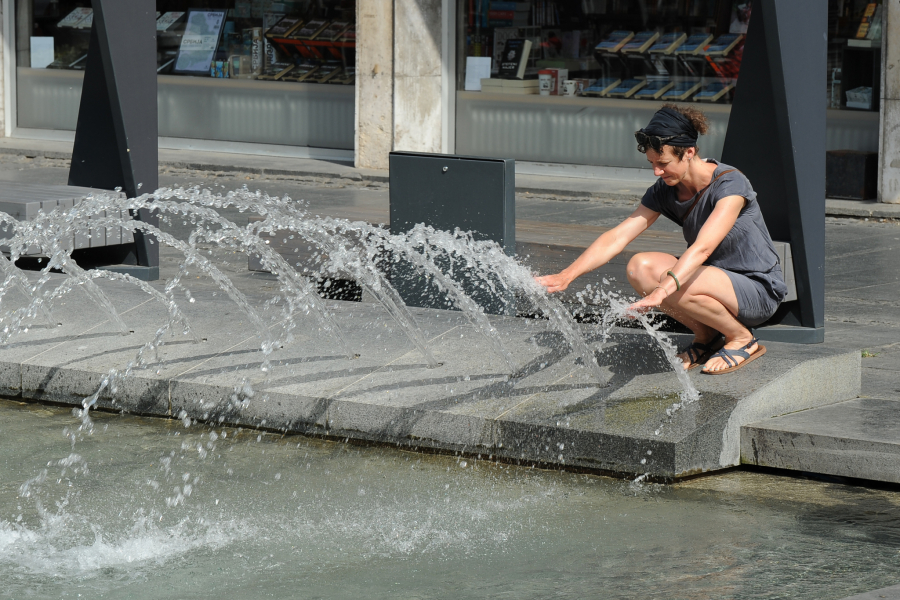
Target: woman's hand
{"points": [[652, 300], [554, 283]]}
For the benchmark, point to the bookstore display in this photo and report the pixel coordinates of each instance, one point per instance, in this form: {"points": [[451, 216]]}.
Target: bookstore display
{"points": [[665, 50], [668, 50], [291, 40], [854, 55]]}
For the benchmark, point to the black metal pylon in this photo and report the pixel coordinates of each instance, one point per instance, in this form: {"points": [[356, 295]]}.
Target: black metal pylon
{"points": [[116, 138], [776, 137]]}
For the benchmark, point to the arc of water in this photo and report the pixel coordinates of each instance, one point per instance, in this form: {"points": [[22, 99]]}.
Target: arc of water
{"points": [[43, 237], [12, 274], [371, 278], [175, 314], [620, 309], [16, 278], [231, 234], [471, 309], [488, 257]]}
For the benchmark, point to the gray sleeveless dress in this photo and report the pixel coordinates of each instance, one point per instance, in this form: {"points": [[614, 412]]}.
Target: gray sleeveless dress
{"points": [[746, 255]]}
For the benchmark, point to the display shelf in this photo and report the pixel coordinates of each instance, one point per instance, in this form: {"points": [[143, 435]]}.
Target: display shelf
{"points": [[312, 48]]}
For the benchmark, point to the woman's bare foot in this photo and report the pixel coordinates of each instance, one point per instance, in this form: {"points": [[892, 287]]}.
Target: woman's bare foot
{"points": [[737, 343]]}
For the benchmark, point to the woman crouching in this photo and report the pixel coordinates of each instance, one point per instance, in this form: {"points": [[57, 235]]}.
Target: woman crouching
{"points": [[728, 280]]}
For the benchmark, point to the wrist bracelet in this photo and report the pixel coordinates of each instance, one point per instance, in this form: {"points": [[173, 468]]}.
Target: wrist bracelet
{"points": [[659, 287], [677, 283]]}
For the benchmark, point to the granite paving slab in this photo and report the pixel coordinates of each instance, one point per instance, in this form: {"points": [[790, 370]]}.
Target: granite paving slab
{"points": [[545, 408], [858, 438]]}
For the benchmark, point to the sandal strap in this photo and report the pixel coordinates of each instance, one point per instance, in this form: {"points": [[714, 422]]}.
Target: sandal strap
{"points": [[729, 356]]}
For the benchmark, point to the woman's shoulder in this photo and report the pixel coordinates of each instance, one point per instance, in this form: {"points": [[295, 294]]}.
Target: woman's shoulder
{"points": [[731, 179]]}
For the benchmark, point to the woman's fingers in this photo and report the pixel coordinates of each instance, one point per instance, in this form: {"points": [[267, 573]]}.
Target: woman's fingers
{"points": [[553, 283]]}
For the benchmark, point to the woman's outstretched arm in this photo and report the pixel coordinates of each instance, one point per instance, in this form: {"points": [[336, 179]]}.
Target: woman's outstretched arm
{"points": [[602, 250]]}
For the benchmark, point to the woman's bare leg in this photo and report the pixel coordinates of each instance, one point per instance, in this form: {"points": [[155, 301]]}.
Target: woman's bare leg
{"points": [[706, 303]]}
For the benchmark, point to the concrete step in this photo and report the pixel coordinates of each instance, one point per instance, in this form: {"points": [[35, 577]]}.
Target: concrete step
{"points": [[858, 438]]}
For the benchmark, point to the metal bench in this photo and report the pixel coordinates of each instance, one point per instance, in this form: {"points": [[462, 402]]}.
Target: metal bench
{"points": [[22, 201]]}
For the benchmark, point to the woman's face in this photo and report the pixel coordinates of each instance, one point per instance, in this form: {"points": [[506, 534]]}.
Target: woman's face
{"points": [[668, 166]]}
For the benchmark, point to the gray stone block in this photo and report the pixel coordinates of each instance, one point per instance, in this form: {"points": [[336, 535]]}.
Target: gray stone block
{"points": [[858, 438]]}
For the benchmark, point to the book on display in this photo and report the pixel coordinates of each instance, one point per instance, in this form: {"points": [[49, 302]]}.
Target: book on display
{"points": [[328, 71], [334, 31], [667, 43], [310, 30], [284, 27], [641, 42], [694, 44], [601, 87], [614, 41], [301, 72], [276, 72], [165, 22], [866, 21], [654, 89], [627, 88], [75, 17], [724, 44], [514, 58], [682, 90], [86, 22], [510, 86], [202, 32], [711, 92]]}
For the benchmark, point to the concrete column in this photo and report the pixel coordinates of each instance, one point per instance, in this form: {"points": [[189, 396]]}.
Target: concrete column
{"points": [[889, 151], [417, 75], [374, 83]]}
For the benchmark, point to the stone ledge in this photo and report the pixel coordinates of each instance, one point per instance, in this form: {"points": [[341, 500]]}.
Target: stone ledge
{"points": [[549, 411], [858, 438]]}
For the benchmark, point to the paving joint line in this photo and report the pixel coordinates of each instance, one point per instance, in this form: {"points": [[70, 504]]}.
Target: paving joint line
{"points": [[386, 365], [86, 331], [531, 397]]}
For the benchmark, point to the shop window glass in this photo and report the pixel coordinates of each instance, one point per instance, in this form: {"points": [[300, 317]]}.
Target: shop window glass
{"points": [[669, 50], [854, 54], [293, 40]]}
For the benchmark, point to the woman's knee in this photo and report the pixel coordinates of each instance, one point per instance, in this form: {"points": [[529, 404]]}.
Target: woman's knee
{"points": [[643, 268]]}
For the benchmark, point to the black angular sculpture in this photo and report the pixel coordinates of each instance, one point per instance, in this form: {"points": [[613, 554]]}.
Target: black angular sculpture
{"points": [[117, 132], [776, 136]]}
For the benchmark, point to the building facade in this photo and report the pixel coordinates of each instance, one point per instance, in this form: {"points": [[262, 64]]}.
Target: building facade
{"points": [[352, 80]]}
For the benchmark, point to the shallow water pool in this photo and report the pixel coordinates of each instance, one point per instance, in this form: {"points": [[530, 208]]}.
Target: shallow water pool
{"points": [[147, 508]]}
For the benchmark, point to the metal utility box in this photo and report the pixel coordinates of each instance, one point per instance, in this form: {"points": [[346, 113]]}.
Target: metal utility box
{"points": [[449, 192], [851, 174]]}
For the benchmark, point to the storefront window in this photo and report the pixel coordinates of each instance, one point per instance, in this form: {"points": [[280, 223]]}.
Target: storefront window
{"points": [[243, 71], [666, 50], [854, 54], [669, 50], [291, 41]]}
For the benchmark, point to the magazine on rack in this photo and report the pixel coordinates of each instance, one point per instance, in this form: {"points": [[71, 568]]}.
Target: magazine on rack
{"points": [[641, 42], [667, 43], [614, 41], [694, 44]]}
